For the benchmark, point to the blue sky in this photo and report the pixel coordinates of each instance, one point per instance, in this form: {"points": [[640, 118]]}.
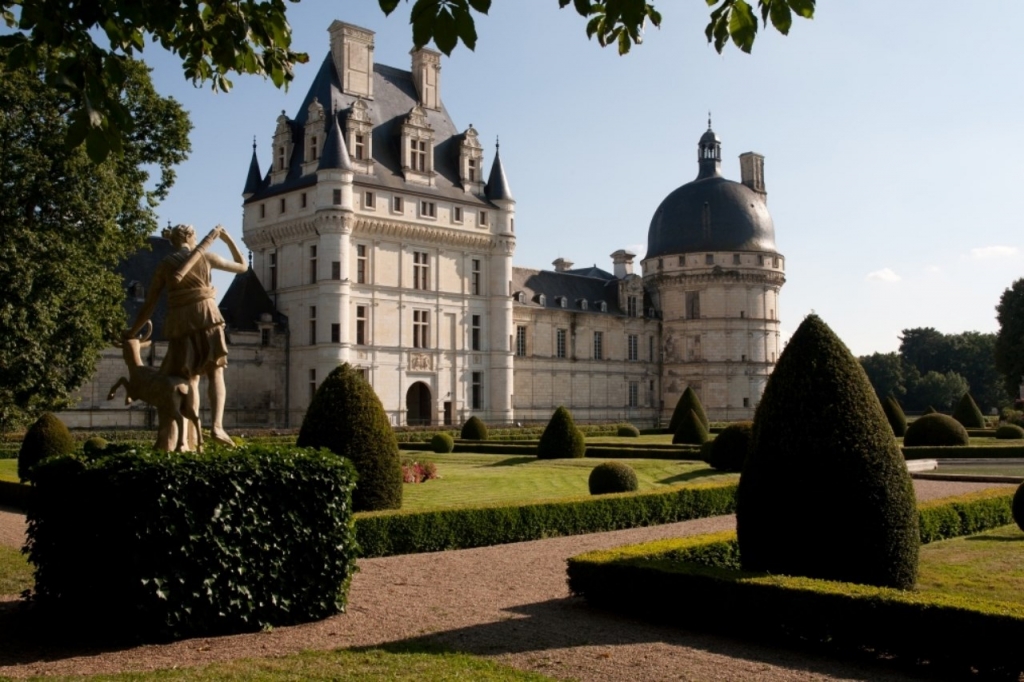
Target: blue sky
{"points": [[892, 133]]}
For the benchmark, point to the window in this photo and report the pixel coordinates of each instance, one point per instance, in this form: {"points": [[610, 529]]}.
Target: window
{"points": [[771, 314], [475, 278], [743, 313], [650, 349], [264, 337], [418, 155], [746, 402], [280, 158], [634, 394], [631, 306], [559, 343], [474, 169], [420, 328], [361, 325], [735, 259], [312, 325], [361, 264], [692, 305], [396, 204], [760, 259], [542, 300], [312, 383], [775, 262], [360, 146], [369, 201], [428, 209], [420, 270], [483, 218], [312, 148], [474, 338], [312, 264], [273, 271], [583, 304], [282, 206], [598, 345], [457, 214], [695, 349], [335, 269], [477, 395], [602, 306], [336, 197], [302, 200], [682, 261], [633, 347], [709, 259], [335, 332], [521, 341], [562, 302], [263, 210]]}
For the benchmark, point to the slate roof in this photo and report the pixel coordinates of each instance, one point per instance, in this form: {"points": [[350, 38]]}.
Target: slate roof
{"points": [[245, 302], [138, 270], [394, 96], [572, 285], [254, 180], [497, 184], [335, 152]]}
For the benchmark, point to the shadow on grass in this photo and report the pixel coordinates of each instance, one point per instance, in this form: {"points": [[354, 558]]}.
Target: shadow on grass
{"points": [[691, 476], [512, 461], [995, 538]]}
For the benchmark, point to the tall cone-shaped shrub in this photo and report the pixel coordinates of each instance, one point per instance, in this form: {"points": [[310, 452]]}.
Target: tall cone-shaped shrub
{"points": [[691, 430], [968, 413], [561, 439], [894, 413], [825, 492], [687, 401], [347, 418]]}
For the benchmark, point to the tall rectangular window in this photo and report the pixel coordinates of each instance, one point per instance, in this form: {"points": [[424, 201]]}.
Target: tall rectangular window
{"points": [[428, 209], [313, 148], [312, 384], [273, 271], [475, 279], [631, 306], [560, 343], [456, 214], [420, 328], [264, 337], [361, 325], [312, 264], [474, 170], [302, 200], [599, 345], [634, 394], [361, 264], [312, 325], [483, 218], [282, 206], [735, 259], [396, 204], [521, 341], [692, 305], [336, 197], [280, 158], [418, 155], [474, 339], [477, 393], [335, 269], [650, 349], [420, 270], [360, 147], [633, 347], [369, 200], [335, 332]]}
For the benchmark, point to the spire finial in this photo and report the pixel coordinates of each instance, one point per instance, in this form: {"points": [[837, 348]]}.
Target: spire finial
{"points": [[497, 142], [254, 143], [250, 259], [709, 119]]}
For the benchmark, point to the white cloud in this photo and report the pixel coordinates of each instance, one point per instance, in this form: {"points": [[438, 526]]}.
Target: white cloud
{"points": [[883, 275], [987, 252], [933, 269]]}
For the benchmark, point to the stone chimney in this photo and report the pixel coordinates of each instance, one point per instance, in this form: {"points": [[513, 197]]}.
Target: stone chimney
{"points": [[623, 262], [426, 74], [562, 265], [752, 171], [352, 52]]}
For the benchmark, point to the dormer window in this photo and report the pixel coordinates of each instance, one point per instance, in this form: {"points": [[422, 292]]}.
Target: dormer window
{"points": [[602, 306], [315, 132], [471, 155], [418, 148], [418, 155], [542, 299], [360, 147], [562, 302], [359, 132], [313, 156], [583, 304], [520, 297], [282, 149], [280, 158], [473, 170]]}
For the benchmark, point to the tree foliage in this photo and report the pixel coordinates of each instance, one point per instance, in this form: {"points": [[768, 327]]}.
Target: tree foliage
{"points": [[215, 39], [1009, 345], [968, 354], [885, 372], [66, 224]]}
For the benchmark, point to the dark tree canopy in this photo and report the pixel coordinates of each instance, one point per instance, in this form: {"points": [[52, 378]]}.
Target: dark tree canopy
{"points": [[216, 39], [1009, 346], [66, 224]]}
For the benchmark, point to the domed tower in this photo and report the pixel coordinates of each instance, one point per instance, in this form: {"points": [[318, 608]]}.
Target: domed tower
{"points": [[714, 274]]}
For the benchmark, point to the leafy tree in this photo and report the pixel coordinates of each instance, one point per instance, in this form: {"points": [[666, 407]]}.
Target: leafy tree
{"points": [[215, 39], [941, 391], [885, 372], [924, 348], [66, 224], [1009, 346], [969, 354]]}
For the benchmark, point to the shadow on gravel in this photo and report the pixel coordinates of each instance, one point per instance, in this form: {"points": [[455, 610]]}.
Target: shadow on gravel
{"points": [[28, 639]]}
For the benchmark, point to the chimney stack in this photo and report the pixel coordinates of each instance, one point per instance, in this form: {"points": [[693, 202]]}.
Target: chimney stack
{"points": [[426, 74], [752, 171], [623, 262], [562, 265], [352, 52]]}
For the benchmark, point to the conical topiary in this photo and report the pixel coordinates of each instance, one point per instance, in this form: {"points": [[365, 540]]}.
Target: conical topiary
{"points": [[347, 418], [474, 429], [687, 401], [691, 430], [968, 413], [825, 492], [561, 439], [47, 437], [894, 413]]}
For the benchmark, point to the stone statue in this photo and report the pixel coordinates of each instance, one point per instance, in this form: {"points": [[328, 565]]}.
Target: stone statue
{"points": [[194, 327]]}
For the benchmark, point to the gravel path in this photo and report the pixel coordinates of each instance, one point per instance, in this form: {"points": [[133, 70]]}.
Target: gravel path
{"points": [[507, 602]]}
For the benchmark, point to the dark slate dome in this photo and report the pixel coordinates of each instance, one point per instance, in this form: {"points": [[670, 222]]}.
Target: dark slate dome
{"points": [[711, 213]]}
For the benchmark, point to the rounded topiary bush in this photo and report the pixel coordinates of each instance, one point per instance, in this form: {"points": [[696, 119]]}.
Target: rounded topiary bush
{"points": [[627, 431], [346, 417], [935, 429], [474, 429], [1009, 432], [825, 491], [47, 437], [1018, 506], [561, 439], [894, 413], [442, 443], [931, 410], [94, 446], [687, 401], [691, 430], [612, 477], [729, 448], [968, 413]]}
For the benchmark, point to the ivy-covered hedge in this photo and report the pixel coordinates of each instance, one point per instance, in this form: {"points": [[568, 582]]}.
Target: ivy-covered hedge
{"points": [[696, 583], [389, 533], [175, 545], [962, 452]]}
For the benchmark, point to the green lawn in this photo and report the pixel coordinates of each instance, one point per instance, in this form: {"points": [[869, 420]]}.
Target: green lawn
{"points": [[468, 479], [987, 567], [15, 571], [1000, 469], [9, 470], [661, 439]]}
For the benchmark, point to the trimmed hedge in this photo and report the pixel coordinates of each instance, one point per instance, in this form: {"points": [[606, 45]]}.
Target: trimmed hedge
{"points": [[612, 477], [1009, 432], [627, 431], [185, 544], [47, 437], [694, 583], [937, 430], [1018, 506], [442, 443], [684, 452], [962, 452], [953, 517], [390, 533], [474, 429]]}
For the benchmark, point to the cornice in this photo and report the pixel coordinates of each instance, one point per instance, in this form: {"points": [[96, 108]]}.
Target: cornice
{"points": [[775, 279]]}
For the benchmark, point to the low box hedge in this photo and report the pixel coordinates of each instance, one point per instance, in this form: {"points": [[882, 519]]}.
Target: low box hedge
{"points": [[697, 583], [681, 452], [963, 452], [180, 544], [389, 533]]}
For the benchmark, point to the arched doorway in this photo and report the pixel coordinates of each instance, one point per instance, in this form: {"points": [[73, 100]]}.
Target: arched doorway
{"points": [[418, 405]]}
